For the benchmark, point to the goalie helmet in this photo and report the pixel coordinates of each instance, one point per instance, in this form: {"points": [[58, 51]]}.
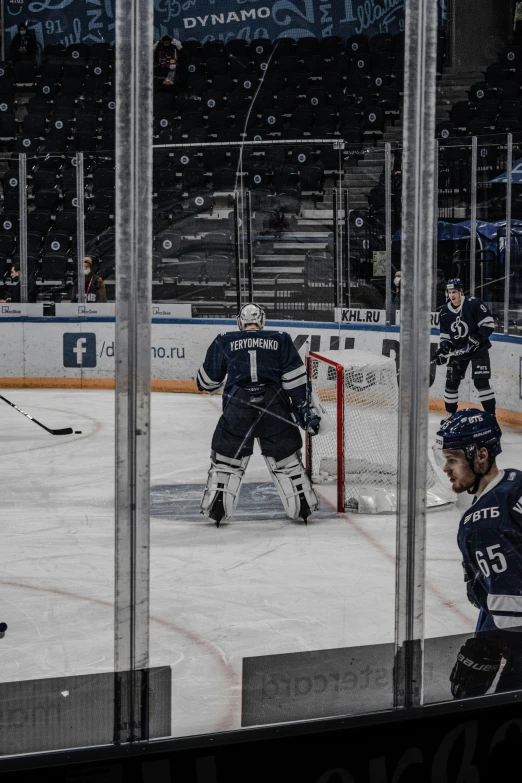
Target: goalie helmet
{"points": [[469, 430], [251, 313]]}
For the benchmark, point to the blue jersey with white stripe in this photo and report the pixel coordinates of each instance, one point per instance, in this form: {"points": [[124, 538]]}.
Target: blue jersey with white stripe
{"points": [[490, 539], [471, 317], [251, 359]]}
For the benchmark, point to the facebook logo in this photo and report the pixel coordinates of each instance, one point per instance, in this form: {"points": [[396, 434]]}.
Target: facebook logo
{"points": [[79, 349]]}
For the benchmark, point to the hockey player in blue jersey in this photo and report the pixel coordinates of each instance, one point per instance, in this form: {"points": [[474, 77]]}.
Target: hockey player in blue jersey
{"points": [[265, 391], [490, 540], [465, 328]]}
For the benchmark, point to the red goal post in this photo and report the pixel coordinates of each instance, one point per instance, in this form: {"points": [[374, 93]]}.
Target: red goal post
{"points": [[339, 422]]}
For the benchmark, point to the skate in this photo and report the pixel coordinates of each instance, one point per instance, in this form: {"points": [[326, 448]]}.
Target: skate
{"points": [[217, 512], [304, 511]]}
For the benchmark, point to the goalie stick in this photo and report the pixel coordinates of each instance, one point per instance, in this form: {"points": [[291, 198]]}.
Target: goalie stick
{"points": [[64, 431]]}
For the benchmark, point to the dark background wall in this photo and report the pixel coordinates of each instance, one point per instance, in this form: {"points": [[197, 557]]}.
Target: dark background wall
{"points": [[479, 28], [89, 21]]}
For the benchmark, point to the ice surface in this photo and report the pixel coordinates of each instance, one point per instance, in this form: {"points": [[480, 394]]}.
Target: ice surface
{"points": [[260, 584]]}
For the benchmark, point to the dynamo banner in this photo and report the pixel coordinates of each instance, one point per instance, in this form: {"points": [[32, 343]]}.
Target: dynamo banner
{"points": [[92, 21]]}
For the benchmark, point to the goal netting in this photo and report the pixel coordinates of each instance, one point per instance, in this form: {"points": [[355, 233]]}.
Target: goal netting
{"points": [[359, 451]]}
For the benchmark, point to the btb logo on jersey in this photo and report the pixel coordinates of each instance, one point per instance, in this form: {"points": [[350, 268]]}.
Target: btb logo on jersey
{"points": [[79, 349]]}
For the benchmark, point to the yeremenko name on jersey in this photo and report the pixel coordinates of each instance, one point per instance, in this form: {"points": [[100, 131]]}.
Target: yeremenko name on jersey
{"points": [[267, 358]]}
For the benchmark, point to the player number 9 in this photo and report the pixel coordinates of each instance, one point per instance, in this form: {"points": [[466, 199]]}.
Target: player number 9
{"points": [[498, 568]]}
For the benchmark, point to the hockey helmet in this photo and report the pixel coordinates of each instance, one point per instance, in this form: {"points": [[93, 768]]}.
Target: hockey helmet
{"points": [[469, 430], [251, 313], [455, 282]]}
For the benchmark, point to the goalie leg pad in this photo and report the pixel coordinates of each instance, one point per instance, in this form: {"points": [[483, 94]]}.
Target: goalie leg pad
{"points": [[223, 484], [292, 484]]}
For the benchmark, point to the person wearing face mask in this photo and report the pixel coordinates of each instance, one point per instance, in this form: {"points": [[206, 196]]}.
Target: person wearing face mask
{"points": [[23, 46], [94, 286], [166, 56], [14, 288]]}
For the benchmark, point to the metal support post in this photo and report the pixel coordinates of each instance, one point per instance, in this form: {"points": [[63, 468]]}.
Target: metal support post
{"points": [[388, 226], [435, 226], [473, 219], [250, 255], [237, 239], [507, 252], [337, 299], [22, 227], [416, 267], [80, 228], [134, 28], [348, 275], [339, 145]]}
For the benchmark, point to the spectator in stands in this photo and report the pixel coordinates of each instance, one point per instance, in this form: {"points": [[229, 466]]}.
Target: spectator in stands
{"points": [[23, 46], [441, 289], [14, 288], [94, 286], [166, 57]]}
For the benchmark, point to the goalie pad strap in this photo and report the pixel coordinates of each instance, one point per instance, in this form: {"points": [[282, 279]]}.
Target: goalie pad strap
{"points": [[292, 482], [224, 478]]}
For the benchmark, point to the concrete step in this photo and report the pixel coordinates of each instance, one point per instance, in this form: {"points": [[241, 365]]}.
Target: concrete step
{"points": [[460, 73], [358, 191], [358, 175], [449, 92]]}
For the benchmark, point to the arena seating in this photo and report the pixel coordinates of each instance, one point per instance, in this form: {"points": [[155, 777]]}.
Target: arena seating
{"points": [[493, 109], [329, 88]]}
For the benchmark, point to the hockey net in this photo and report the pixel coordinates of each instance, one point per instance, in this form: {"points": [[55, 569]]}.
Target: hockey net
{"points": [[359, 452]]}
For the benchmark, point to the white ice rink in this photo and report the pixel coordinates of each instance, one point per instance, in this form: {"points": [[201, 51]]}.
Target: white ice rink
{"points": [[260, 584]]}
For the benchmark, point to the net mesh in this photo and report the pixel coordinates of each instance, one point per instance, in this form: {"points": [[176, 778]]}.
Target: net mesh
{"points": [[370, 436]]}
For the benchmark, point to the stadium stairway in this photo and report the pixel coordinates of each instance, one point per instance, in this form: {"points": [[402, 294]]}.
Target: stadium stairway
{"points": [[453, 86]]}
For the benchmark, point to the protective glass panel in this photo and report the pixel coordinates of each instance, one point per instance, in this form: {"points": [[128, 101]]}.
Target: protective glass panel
{"points": [[57, 414], [471, 646], [276, 177]]}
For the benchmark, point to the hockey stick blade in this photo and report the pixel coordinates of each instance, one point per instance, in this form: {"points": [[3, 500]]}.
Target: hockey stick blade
{"points": [[63, 431]]}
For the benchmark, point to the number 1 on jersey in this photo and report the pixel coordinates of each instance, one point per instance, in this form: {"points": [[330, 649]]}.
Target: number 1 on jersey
{"points": [[253, 366]]}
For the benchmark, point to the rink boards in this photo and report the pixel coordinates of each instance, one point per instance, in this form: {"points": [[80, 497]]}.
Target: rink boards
{"points": [[72, 352]]}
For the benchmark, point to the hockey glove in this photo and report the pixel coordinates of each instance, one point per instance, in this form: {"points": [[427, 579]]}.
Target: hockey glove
{"points": [[442, 352], [477, 665], [473, 344], [308, 419]]}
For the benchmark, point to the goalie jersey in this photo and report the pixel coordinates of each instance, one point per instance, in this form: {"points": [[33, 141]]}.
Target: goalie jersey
{"points": [[471, 317], [252, 359], [490, 539]]}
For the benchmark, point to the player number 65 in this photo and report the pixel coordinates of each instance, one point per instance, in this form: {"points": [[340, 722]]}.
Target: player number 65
{"points": [[498, 568]]}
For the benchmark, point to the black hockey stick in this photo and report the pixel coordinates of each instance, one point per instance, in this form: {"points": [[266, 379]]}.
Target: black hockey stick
{"points": [[64, 431]]}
